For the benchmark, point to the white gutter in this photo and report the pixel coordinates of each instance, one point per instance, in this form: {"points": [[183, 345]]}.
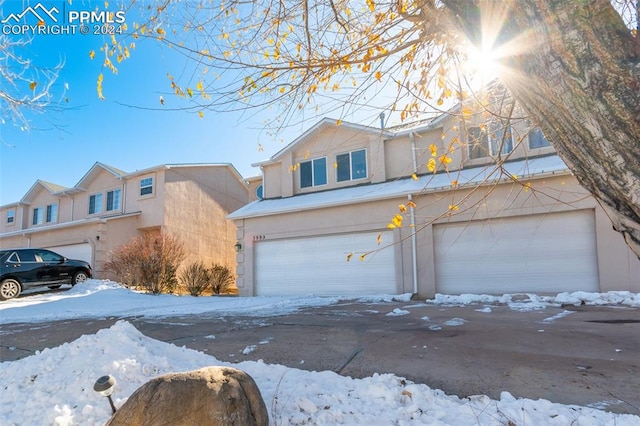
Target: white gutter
{"points": [[412, 216]]}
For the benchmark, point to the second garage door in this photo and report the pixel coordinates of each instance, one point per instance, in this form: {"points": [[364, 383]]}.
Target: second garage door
{"points": [[318, 265], [539, 253]]}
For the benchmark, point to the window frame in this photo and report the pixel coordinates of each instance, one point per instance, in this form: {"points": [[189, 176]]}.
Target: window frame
{"points": [[51, 213], [491, 138], [37, 216], [11, 217], [116, 202], [97, 207], [350, 155], [313, 170], [536, 130], [144, 187]]}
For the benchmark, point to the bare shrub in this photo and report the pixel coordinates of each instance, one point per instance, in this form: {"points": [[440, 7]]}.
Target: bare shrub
{"points": [[149, 261], [195, 278], [221, 278]]}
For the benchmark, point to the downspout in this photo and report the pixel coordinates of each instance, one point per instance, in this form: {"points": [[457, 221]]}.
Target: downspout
{"points": [[412, 216]]}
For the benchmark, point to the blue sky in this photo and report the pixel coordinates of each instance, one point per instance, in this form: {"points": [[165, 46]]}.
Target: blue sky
{"points": [[65, 142]]}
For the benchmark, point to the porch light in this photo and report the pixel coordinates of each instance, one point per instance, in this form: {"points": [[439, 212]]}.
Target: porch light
{"points": [[238, 247], [105, 387]]}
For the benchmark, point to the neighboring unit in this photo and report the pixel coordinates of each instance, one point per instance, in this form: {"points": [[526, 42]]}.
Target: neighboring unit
{"points": [[344, 190], [108, 207]]}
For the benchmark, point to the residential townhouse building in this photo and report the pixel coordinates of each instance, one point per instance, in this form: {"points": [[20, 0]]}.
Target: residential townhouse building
{"points": [[108, 207], [348, 209]]}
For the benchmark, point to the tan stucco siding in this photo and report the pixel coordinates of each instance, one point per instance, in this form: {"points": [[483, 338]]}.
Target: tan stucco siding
{"points": [[197, 201]]}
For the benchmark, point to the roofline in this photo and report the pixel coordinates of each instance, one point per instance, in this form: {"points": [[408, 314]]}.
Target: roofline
{"points": [[320, 124], [169, 166], [293, 209], [63, 225]]}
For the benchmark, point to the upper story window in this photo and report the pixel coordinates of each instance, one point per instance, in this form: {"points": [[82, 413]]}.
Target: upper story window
{"points": [[11, 216], [489, 140], [351, 166], [52, 213], [113, 200], [37, 216], [146, 186], [313, 173], [95, 203], [260, 192], [537, 139]]}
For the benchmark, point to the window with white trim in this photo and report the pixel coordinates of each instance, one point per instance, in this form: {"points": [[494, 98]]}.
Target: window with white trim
{"points": [[489, 140], [11, 216], [313, 172], [537, 139], [113, 200], [351, 166], [95, 203], [146, 186], [52, 213], [37, 216]]}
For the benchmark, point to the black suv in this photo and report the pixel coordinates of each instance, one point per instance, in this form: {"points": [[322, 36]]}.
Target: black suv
{"points": [[28, 267]]}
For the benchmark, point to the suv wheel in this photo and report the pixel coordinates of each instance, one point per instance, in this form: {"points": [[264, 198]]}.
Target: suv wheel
{"points": [[79, 277], [9, 289]]}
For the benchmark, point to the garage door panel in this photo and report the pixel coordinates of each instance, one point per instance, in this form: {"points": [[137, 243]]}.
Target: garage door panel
{"points": [[538, 253], [318, 265], [82, 251]]}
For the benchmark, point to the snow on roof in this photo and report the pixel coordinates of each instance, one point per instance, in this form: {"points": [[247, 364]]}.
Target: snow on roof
{"points": [[401, 187]]}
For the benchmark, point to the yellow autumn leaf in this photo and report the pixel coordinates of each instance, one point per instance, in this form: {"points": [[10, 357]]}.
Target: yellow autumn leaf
{"points": [[92, 54], [527, 187], [372, 5], [434, 150], [349, 256], [431, 165], [454, 183], [414, 176], [99, 86], [378, 75], [338, 122], [445, 159], [379, 238], [397, 220], [391, 226], [200, 86], [411, 204], [453, 207], [33, 85], [200, 114], [402, 208], [190, 92], [362, 256]]}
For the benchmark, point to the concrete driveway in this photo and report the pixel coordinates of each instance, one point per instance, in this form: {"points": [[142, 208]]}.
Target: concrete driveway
{"points": [[584, 355]]}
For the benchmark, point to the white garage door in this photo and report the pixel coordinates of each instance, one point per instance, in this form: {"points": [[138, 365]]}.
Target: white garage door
{"points": [[318, 266], [538, 253], [75, 251]]}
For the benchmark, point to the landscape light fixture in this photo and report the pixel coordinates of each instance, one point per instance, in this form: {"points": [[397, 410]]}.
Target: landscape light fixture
{"points": [[105, 387]]}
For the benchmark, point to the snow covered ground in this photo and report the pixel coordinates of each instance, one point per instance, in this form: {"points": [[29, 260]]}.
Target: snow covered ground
{"points": [[55, 386]]}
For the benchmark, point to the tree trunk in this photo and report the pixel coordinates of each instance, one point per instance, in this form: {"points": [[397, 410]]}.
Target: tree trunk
{"points": [[579, 78]]}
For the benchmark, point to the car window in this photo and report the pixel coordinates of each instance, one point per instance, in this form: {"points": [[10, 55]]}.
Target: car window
{"points": [[13, 258], [48, 256], [26, 256]]}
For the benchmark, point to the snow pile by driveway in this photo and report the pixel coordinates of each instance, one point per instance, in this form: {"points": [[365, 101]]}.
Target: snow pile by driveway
{"points": [[55, 387]]}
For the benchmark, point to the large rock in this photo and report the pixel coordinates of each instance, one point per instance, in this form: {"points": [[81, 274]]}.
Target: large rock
{"points": [[209, 396]]}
